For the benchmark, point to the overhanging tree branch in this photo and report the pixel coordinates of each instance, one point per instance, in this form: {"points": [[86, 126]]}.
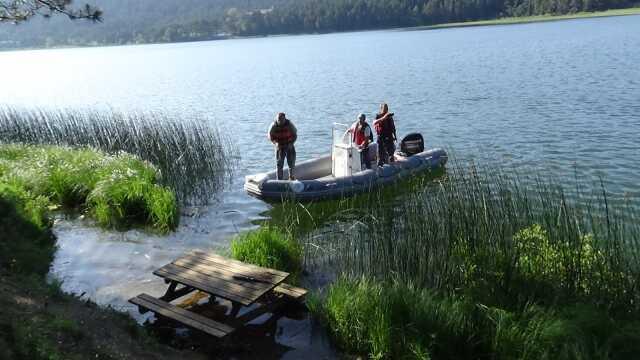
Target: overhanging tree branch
{"points": [[21, 10]]}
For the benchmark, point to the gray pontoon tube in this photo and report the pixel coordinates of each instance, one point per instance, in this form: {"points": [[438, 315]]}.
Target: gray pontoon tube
{"points": [[317, 180]]}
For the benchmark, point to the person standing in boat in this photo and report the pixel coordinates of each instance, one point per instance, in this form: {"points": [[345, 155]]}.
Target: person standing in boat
{"points": [[283, 134], [362, 137], [386, 131]]}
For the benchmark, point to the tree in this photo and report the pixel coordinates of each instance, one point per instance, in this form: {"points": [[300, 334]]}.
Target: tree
{"points": [[21, 10]]}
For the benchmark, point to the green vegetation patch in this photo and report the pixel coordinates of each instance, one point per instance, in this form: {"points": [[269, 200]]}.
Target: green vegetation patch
{"points": [[481, 265], [190, 157], [38, 321], [119, 190], [26, 244], [393, 319], [270, 248], [535, 268], [503, 240]]}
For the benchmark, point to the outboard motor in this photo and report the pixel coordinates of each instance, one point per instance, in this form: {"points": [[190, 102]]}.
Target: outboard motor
{"points": [[412, 144]]}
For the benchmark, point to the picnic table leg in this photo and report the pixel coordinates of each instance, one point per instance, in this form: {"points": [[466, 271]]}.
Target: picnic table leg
{"points": [[235, 308], [268, 307], [171, 289], [172, 294]]}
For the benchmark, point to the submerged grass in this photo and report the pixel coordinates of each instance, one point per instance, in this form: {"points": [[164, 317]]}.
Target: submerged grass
{"points": [[192, 157], [119, 191]]}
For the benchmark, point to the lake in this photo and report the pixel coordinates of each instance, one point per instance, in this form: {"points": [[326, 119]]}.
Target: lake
{"points": [[561, 98]]}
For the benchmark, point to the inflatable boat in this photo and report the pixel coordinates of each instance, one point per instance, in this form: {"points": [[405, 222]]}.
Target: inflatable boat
{"points": [[342, 174]]}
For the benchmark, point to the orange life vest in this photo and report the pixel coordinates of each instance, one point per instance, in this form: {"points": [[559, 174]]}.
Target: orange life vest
{"points": [[282, 134], [359, 134]]}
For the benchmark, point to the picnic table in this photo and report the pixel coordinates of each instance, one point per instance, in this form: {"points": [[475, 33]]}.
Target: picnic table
{"points": [[261, 290]]}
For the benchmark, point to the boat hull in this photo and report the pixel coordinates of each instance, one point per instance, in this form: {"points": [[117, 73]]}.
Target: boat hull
{"points": [[315, 182]]}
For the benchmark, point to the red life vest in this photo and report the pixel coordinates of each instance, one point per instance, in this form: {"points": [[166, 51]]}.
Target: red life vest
{"points": [[282, 134], [359, 136]]}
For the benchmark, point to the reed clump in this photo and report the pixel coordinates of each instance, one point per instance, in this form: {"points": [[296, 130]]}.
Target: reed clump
{"points": [[268, 247], [486, 233], [481, 265], [192, 157], [118, 191]]}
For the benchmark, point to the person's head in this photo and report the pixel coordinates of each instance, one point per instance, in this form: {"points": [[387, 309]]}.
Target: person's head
{"points": [[361, 118], [281, 118], [384, 108]]}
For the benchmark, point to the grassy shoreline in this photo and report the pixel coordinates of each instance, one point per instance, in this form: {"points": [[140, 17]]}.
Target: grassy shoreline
{"points": [[38, 321], [192, 157], [472, 266], [118, 191], [122, 171], [532, 19]]}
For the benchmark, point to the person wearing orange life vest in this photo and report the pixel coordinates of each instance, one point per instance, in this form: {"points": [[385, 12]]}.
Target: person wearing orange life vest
{"points": [[362, 136], [283, 134], [386, 130]]}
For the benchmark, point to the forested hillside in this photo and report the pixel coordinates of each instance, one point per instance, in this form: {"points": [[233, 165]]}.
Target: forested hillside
{"points": [[340, 15], [143, 21]]}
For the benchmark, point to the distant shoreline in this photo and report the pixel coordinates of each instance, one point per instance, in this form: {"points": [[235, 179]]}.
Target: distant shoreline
{"points": [[501, 21], [530, 19]]}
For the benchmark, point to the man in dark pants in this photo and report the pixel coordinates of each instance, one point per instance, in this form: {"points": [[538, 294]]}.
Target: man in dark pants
{"points": [[283, 134], [386, 130]]}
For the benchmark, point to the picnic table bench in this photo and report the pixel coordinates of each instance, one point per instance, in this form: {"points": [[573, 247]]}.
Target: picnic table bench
{"points": [[243, 285]]}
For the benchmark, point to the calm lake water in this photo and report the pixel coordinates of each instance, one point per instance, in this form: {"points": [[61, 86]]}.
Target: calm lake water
{"points": [[558, 97]]}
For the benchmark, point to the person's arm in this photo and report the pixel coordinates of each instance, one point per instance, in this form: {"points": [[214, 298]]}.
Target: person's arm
{"points": [[367, 134], [294, 131], [382, 118], [270, 134]]}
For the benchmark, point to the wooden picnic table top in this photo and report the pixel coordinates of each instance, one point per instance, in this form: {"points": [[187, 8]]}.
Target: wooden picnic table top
{"points": [[219, 276]]}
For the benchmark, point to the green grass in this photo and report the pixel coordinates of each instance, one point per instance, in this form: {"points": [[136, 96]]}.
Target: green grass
{"points": [[537, 18], [26, 250], [191, 157], [397, 320], [22, 217], [118, 191], [479, 265], [270, 248], [469, 231], [37, 337]]}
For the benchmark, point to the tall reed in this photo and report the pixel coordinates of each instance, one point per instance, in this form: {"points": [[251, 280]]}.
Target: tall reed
{"points": [[192, 156], [484, 232]]}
